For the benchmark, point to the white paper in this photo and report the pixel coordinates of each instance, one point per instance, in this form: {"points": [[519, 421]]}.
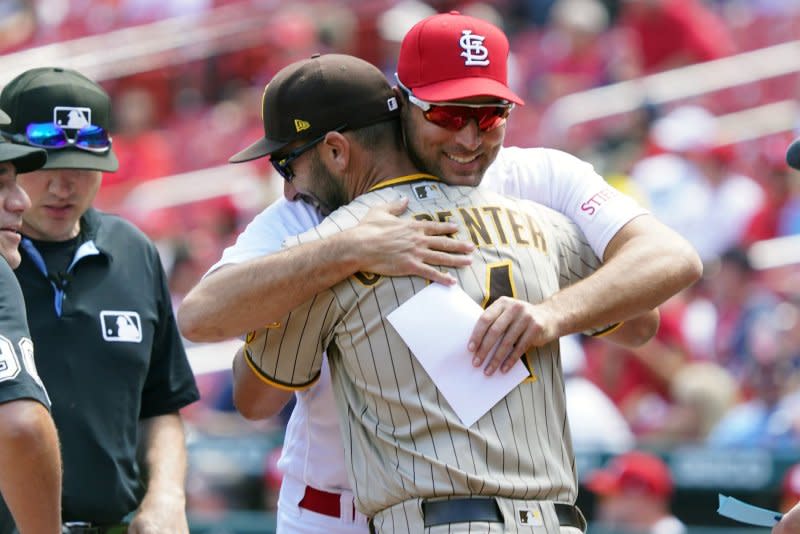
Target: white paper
{"points": [[436, 324], [747, 513]]}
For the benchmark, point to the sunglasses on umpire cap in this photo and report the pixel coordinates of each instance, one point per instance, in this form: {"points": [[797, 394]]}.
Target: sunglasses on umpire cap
{"points": [[50, 135], [455, 116]]}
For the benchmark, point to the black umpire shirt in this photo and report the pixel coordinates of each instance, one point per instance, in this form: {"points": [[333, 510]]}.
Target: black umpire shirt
{"points": [[109, 352], [18, 378]]}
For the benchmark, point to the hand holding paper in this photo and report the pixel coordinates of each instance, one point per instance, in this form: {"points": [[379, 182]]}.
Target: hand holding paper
{"points": [[436, 324]]}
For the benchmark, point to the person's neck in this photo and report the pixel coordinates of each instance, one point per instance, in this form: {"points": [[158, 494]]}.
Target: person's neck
{"points": [[383, 167], [38, 235]]}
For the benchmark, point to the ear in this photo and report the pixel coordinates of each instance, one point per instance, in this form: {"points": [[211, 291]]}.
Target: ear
{"points": [[402, 101], [398, 93], [335, 152]]}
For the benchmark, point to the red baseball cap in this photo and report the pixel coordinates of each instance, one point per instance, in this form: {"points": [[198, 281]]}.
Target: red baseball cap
{"points": [[633, 471], [449, 56]]}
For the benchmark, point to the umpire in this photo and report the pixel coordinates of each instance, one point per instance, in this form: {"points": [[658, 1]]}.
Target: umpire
{"points": [[101, 319], [30, 464]]}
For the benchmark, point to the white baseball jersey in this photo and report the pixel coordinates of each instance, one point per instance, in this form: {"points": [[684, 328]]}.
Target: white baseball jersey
{"points": [[312, 451], [403, 440]]}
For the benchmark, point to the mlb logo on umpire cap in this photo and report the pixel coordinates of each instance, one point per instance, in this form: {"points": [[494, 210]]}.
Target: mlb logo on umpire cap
{"points": [[72, 118], [121, 326], [450, 56]]}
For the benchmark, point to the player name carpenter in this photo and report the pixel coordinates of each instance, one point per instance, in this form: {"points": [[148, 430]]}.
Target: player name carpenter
{"points": [[493, 225]]}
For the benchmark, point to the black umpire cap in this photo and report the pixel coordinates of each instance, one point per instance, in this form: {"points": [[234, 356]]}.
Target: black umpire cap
{"points": [[67, 99], [793, 155], [25, 159]]}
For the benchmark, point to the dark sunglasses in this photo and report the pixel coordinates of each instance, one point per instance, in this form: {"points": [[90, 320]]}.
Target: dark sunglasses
{"points": [[283, 164], [455, 116], [50, 135]]}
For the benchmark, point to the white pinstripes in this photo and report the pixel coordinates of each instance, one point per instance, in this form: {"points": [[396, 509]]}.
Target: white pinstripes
{"points": [[402, 440]]}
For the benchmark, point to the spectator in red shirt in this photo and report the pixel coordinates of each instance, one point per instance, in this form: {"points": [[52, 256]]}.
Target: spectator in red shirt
{"points": [[674, 33]]}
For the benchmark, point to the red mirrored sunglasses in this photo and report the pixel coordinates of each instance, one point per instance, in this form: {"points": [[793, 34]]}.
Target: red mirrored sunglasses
{"points": [[455, 116]]}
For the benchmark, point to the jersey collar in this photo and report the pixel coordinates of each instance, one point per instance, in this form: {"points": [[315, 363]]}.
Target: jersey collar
{"points": [[409, 178]]}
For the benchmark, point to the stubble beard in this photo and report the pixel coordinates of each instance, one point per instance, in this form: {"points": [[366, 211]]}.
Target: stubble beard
{"points": [[328, 190]]}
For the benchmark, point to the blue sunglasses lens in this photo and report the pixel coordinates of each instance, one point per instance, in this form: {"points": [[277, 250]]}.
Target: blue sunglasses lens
{"points": [[50, 135], [92, 137], [47, 135]]}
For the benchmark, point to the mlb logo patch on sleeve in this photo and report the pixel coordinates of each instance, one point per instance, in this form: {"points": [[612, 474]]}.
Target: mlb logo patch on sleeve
{"points": [[124, 326]]}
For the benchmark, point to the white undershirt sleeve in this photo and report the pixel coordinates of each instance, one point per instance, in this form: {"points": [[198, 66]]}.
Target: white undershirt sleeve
{"points": [[266, 233], [568, 185]]}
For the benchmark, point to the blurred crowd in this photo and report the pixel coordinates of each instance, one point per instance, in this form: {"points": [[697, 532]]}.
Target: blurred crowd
{"points": [[724, 368]]}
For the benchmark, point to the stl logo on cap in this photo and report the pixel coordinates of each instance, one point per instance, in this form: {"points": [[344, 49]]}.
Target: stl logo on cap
{"points": [[475, 53], [450, 57], [72, 117]]}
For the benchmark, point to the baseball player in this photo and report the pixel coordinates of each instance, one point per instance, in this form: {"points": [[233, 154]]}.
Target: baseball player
{"points": [[406, 447], [314, 493], [30, 464]]}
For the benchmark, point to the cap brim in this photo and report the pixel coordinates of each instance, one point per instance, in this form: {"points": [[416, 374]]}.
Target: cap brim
{"points": [[24, 158], [4, 119], [73, 158], [259, 149], [793, 155], [462, 88]]}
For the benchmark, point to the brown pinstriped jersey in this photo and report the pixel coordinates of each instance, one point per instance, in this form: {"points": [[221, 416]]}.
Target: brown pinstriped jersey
{"points": [[402, 439]]}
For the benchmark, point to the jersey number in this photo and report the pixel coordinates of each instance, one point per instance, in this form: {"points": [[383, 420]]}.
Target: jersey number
{"points": [[499, 283], [9, 361]]}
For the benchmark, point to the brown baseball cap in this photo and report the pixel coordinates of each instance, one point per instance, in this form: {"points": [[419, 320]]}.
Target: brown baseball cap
{"points": [[314, 96]]}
